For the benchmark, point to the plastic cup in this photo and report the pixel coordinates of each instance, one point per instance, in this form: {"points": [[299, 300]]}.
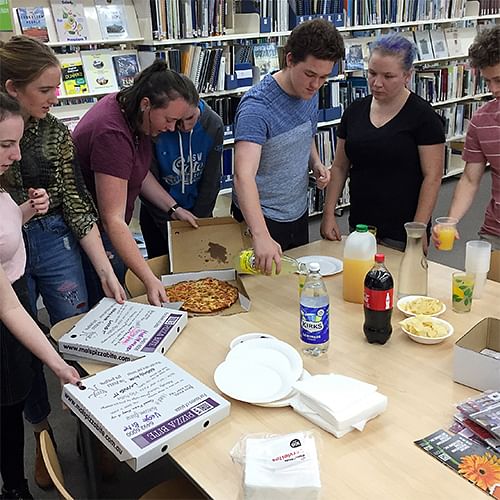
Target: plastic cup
{"points": [[461, 291], [477, 262], [446, 230], [373, 230]]}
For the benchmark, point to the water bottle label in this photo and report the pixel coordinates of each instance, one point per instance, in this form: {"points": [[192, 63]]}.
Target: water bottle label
{"points": [[378, 300], [314, 324]]}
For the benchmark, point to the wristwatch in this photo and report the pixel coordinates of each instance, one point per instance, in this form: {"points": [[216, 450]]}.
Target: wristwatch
{"points": [[172, 209]]}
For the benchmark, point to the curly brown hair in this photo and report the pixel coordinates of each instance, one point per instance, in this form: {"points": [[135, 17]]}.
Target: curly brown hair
{"points": [[318, 38], [485, 50]]}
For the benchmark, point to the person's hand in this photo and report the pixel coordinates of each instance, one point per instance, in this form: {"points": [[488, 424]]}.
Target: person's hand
{"points": [[39, 200], [67, 374], [155, 290], [435, 235], [266, 251], [185, 215], [329, 228], [112, 287], [322, 175]]}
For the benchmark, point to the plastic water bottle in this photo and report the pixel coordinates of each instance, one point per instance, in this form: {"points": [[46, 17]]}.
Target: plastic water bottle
{"points": [[314, 314]]}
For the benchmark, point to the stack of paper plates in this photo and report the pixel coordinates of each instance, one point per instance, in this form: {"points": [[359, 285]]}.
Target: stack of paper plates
{"points": [[259, 371]]}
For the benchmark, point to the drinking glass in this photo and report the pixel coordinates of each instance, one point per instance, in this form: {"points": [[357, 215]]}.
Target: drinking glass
{"points": [[446, 229], [462, 290]]}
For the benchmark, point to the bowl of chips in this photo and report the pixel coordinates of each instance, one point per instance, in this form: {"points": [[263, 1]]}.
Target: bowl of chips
{"points": [[426, 329], [413, 305]]}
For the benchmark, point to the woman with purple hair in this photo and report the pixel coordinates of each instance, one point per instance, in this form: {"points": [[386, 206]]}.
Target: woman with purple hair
{"points": [[391, 145]]}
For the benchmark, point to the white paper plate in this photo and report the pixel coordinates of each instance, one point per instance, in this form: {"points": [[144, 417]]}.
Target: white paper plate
{"points": [[287, 400], [409, 298], [431, 340], [249, 336], [327, 265], [295, 364], [251, 382]]}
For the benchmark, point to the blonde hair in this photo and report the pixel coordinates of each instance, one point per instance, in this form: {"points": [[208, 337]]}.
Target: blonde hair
{"points": [[23, 59]]}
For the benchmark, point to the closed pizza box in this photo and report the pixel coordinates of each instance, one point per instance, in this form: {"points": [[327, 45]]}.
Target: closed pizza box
{"points": [[115, 333], [208, 251], [141, 410], [476, 360]]}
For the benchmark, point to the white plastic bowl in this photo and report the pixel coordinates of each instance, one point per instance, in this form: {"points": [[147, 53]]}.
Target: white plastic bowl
{"points": [[409, 298], [430, 340]]}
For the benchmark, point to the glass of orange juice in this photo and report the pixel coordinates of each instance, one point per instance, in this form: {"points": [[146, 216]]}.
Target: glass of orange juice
{"points": [[446, 230]]}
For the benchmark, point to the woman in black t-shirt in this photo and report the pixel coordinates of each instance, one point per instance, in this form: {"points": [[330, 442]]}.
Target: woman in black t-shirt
{"points": [[391, 145]]}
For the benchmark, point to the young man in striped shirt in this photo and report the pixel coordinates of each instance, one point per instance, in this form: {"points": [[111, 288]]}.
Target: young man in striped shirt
{"points": [[482, 143]]}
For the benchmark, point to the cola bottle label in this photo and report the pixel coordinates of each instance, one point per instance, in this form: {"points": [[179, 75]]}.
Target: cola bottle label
{"points": [[378, 300]]}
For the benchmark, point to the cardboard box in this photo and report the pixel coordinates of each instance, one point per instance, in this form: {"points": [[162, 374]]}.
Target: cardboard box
{"points": [[208, 252], [140, 410], [474, 363], [115, 333], [494, 273]]}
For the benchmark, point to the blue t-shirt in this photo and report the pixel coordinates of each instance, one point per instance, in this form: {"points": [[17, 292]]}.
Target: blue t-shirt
{"points": [[284, 126]]}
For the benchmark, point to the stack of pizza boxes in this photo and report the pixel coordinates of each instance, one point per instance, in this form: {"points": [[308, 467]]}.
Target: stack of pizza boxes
{"points": [[208, 252]]}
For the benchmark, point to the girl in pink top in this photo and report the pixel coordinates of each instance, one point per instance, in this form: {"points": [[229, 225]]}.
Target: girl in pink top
{"points": [[19, 334]]}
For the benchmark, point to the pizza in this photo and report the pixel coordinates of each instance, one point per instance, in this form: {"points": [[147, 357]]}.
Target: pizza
{"points": [[206, 295]]}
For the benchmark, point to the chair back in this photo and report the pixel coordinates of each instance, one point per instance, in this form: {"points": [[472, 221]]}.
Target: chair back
{"points": [[52, 464], [134, 286]]}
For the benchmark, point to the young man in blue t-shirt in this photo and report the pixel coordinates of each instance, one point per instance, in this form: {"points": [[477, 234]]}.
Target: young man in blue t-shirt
{"points": [[274, 147]]}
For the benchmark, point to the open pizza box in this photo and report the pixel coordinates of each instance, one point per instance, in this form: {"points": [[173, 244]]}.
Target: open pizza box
{"points": [[208, 252]]}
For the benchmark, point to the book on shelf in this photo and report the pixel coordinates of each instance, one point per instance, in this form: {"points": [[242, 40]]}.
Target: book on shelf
{"points": [[439, 45], [33, 23], [73, 75], [424, 45], [112, 18], [354, 56], [99, 71], [454, 42], [69, 19], [265, 56], [126, 67], [5, 18]]}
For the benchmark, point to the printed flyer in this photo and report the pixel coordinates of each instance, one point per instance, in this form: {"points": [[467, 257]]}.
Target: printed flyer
{"points": [[143, 409], [114, 333], [478, 464]]}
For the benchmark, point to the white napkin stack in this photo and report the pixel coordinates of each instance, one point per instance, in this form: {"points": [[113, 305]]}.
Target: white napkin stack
{"points": [[336, 403], [282, 467]]}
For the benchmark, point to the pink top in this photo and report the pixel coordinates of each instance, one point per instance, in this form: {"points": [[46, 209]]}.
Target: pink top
{"points": [[482, 145], [12, 252]]}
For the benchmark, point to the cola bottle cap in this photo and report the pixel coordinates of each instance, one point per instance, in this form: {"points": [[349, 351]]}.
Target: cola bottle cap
{"points": [[379, 258]]}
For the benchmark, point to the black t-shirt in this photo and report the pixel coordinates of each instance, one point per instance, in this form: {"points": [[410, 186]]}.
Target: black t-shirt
{"points": [[385, 173]]}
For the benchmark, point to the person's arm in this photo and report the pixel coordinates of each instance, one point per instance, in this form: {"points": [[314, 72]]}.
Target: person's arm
{"points": [[152, 191], [38, 204], [320, 172], [111, 193], [431, 162], [246, 163], [23, 327], [93, 247], [340, 169]]}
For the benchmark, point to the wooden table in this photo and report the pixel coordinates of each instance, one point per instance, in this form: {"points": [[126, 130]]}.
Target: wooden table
{"points": [[379, 463]]}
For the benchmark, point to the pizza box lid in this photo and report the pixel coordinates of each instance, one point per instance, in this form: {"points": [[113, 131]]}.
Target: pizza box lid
{"points": [[213, 245]]}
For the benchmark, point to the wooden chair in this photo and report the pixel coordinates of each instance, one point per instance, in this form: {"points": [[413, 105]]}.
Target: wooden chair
{"points": [[177, 488], [134, 286]]}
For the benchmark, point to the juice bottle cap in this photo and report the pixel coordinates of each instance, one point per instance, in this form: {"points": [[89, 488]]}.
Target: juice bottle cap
{"points": [[361, 228], [314, 267], [379, 258]]}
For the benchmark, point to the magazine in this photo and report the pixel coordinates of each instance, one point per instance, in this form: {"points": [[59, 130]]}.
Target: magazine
{"points": [[112, 19], [265, 57], [126, 67]]}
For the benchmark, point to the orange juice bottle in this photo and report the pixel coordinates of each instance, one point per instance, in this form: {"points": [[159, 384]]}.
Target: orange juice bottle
{"points": [[359, 250]]}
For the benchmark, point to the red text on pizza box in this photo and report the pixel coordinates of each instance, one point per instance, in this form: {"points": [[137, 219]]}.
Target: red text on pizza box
{"points": [[208, 252]]}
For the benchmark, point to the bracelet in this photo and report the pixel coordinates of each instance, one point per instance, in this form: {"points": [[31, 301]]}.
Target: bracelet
{"points": [[172, 209]]}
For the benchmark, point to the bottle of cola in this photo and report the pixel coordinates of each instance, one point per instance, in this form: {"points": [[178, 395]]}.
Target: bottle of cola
{"points": [[378, 302]]}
